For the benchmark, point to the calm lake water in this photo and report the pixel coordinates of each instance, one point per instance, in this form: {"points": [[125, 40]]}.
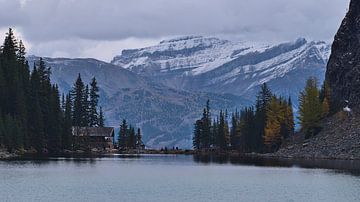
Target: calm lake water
{"points": [[177, 178]]}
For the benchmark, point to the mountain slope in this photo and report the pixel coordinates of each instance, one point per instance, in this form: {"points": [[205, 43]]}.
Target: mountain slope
{"points": [[210, 64]]}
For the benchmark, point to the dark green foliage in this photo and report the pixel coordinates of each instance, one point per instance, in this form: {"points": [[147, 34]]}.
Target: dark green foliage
{"points": [[127, 139], [122, 137], [262, 101], [206, 126], [101, 118], [131, 138], [221, 137], [66, 129], [31, 115], [78, 95], [139, 142], [94, 99], [249, 127], [197, 134]]}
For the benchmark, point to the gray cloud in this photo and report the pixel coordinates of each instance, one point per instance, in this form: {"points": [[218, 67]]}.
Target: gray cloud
{"points": [[73, 26]]}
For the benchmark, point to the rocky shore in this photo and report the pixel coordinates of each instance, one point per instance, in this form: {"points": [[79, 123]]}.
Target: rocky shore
{"points": [[339, 139], [6, 155]]}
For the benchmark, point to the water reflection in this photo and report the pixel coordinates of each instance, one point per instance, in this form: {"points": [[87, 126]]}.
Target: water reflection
{"points": [[352, 166]]}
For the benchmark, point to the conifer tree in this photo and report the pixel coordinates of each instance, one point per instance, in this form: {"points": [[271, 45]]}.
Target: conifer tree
{"points": [[262, 100], [36, 121], [101, 118], [55, 121], [234, 138], [131, 143], [275, 116], [79, 107], [311, 109], [138, 138], [2, 131], [94, 99], [86, 105], [122, 137], [206, 124], [197, 134], [66, 132], [221, 141]]}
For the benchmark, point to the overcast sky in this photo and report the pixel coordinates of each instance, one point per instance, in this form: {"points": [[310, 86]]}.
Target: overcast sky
{"points": [[101, 29]]}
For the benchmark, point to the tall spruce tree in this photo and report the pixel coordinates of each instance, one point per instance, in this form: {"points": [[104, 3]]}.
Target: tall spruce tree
{"points": [[131, 142], [206, 126], [67, 123], [94, 99], [262, 101], [101, 118], [197, 135], [139, 142], [78, 95], [55, 121], [122, 137]]}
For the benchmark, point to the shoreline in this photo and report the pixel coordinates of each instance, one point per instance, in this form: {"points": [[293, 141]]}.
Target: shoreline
{"points": [[4, 155]]}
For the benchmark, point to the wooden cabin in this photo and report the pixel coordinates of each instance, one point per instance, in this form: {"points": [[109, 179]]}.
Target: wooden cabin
{"points": [[89, 138]]}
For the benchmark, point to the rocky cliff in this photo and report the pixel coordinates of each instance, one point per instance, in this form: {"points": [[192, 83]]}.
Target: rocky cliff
{"points": [[340, 137], [343, 70]]}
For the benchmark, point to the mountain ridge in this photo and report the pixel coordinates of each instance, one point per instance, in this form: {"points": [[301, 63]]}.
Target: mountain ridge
{"points": [[162, 89]]}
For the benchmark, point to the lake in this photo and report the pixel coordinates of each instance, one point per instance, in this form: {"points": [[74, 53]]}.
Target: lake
{"points": [[177, 178]]}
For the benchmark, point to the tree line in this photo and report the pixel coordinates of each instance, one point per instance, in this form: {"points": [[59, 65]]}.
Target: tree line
{"points": [[32, 114], [265, 126], [127, 139]]}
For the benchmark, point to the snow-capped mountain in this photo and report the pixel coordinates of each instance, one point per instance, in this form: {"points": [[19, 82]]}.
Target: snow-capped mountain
{"points": [[210, 64], [163, 88], [164, 114]]}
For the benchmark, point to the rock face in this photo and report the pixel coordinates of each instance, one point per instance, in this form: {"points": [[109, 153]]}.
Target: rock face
{"points": [[340, 137], [343, 70]]}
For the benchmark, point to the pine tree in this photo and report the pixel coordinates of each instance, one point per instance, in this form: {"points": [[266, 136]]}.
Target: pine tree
{"points": [[221, 141], [197, 134], [66, 130], [206, 130], [21, 53], [79, 107], [274, 117], [246, 131], [101, 118], [262, 101], [45, 95], [36, 122], [325, 99], [2, 131], [55, 121], [289, 121], [86, 104], [234, 137], [131, 143], [139, 142], [94, 99], [122, 137], [310, 110]]}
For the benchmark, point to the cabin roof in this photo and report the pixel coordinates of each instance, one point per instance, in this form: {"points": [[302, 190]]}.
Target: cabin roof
{"points": [[93, 131]]}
